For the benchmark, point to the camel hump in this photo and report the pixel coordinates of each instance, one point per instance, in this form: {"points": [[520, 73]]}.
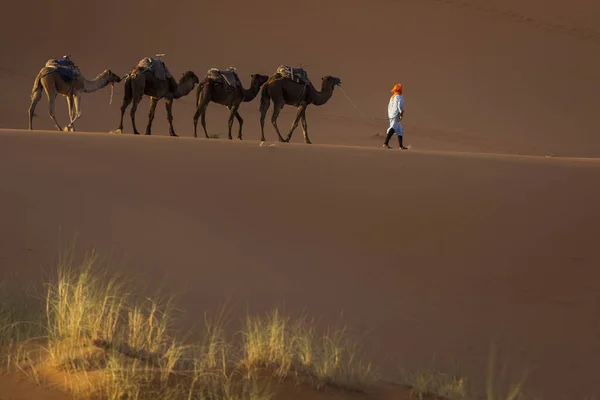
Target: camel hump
{"points": [[158, 68], [227, 76], [296, 74], [66, 68], [64, 62]]}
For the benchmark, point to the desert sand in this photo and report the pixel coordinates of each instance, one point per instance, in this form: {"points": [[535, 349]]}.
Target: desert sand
{"points": [[487, 227]]}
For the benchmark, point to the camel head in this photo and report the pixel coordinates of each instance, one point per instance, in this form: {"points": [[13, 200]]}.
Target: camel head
{"points": [[331, 81], [261, 79], [189, 75], [111, 76]]}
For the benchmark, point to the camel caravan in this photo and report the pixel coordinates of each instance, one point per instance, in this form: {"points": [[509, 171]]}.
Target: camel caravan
{"points": [[151, 77]]}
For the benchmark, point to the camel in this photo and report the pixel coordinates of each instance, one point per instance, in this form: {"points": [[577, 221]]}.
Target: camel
{"points": [[215, 88], [63, 77], [151, 78], [293, 88]]}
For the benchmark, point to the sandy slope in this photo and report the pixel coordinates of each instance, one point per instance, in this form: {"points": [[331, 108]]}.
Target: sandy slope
{"points": [[430, 254], [433, 252], [514, 76], [16, 387]]}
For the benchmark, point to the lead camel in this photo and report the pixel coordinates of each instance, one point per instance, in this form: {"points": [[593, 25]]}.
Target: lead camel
{"points": [[292, 87]]}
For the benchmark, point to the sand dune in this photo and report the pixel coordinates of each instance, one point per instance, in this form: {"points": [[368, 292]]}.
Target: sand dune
{"points": [[471, 234], [431, 254]]}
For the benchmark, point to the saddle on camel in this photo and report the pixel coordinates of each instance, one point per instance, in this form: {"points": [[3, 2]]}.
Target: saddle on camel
{"points": [[298, 75], [66, 68], [158, 68], [226, 77]]}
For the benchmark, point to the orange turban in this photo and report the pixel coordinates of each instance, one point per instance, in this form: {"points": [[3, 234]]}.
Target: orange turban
{"points": [[397, 89]]}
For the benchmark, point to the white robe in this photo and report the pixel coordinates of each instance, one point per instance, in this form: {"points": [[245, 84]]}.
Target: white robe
{"points": [[395, 110]]}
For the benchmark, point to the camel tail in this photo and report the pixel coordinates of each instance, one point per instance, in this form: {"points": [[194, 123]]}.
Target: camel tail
{"points": [[199, 90], [37, 86]]}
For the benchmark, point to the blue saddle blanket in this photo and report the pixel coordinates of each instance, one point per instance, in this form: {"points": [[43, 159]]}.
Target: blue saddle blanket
{"points": [[67, 70], [68, 74], [64, 63]]}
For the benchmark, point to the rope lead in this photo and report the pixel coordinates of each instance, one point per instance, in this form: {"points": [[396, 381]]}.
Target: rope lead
{"points": [[360, 111]]}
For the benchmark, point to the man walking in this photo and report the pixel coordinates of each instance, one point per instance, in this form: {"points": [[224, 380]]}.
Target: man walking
{"points": [[395, 113]]}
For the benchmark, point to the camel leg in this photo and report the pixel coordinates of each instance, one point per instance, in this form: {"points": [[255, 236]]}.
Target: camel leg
{"points": [[232, 111], [305, 128], [241, 122], [196, 117], [124, 104], [301, 109], [276, 111], [169, 105], [153, 103], [35, 98], [202, 109], [75, 111], [70, 103], [264, 107], [51, 94], [202, 100], [134, 105], [71, 109], [200, 112], [69, 99]]}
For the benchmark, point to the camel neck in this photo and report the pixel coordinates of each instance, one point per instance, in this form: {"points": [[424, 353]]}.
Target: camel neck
{"points": [[98, 83], [323, 96], [183, 88], [252, 91]]}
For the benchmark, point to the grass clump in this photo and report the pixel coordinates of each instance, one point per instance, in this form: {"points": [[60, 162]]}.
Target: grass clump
{"points": [[514, 392], [435, 383], [106, 343], [287, 347], [268, 344], [109, 344]]}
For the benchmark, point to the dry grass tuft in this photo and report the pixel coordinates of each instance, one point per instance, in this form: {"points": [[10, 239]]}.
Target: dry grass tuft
{"points": [[285, 347], [514, 392], [435, 383], [104, 342], [267, 344], [107, 343]]}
